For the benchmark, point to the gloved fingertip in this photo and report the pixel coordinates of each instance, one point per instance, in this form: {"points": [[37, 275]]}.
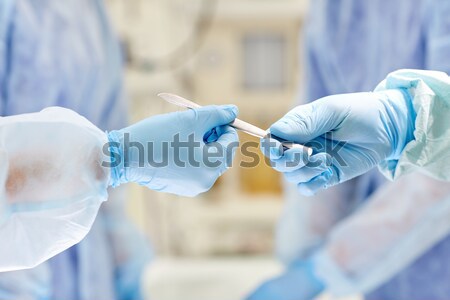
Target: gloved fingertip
{"points": [[232, 108], [211, 136], [230, 140], [224, 129], [271, 148], [281, 129], [228, 137], [212, 116], [311, 188]]}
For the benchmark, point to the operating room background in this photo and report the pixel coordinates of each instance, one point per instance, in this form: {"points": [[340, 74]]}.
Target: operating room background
{"points": [[246, 52]]}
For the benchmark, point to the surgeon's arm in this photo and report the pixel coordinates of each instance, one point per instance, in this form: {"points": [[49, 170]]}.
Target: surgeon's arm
{"points": [[28, 173], [429, 151], [52, 184], [400, 222], [56, 167], [393, 230], [403, 126]]}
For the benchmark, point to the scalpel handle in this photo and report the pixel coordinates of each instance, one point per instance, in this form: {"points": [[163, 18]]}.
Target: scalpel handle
{"points": [[260, 133], [237, 124]]}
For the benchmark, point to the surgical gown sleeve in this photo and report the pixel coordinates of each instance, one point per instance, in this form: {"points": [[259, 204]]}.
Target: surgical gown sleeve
{"points": [[400, 222], [396, 228], [429, 152], [52, 184]]}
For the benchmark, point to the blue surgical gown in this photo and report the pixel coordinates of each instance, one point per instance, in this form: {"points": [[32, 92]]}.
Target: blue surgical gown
{"points": [[351, 46], [64, 53]]}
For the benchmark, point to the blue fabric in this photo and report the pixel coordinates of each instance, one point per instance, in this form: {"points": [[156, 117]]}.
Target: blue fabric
{"points": [[63, 53], [425, 279], [299, 282], [351, 46]]}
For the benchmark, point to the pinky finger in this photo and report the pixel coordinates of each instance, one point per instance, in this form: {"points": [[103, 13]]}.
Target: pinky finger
{"points": [[315, 185]]}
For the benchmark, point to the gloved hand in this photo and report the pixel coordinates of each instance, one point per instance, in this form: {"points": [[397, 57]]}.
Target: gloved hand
{"points": [[350, 134], [181, 153], [297, 283]]}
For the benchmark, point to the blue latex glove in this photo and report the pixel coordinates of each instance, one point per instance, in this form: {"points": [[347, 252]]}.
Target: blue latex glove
{"points": [[158, 163], [350, 134], [297, 283]]}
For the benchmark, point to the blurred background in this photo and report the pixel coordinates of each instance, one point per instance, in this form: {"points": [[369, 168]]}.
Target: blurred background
{"points": [[388, 240], [214, 52], [219, 245]]}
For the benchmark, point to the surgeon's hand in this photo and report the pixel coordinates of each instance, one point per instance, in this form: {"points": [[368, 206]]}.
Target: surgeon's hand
{"points": [[297, 283], [181, 153], [350, 134]]}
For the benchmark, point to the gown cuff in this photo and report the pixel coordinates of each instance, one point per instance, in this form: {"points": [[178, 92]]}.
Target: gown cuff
{"points": [[117, 169]]}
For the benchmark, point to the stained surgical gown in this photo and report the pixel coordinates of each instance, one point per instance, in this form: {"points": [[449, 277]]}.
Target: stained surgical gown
{"points": [[396, 244], [62, 53]]}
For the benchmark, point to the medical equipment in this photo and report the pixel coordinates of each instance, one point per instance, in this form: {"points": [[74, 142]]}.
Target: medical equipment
{"points": [[237, 124]]}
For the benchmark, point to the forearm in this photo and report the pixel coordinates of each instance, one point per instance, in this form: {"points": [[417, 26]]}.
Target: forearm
{"points": [[386, 235], [53, 184], [28, 175]]}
